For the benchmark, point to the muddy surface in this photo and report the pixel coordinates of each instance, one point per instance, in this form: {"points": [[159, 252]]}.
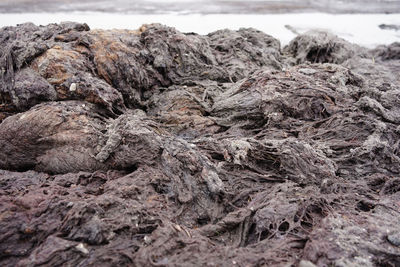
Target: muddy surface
{"points": [[158, 148]]}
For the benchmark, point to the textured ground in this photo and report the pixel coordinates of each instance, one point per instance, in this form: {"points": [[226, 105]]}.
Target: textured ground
{"points": [[158, 148]]}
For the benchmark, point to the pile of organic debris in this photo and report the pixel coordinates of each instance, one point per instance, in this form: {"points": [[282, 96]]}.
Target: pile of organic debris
{"points": [[159, 148]]}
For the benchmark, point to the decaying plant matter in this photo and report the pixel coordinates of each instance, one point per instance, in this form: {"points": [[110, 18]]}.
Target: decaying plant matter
{"points": [[159, 148]]}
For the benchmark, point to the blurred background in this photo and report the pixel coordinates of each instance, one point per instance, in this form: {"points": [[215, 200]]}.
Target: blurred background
{"points": [[366, 22]]}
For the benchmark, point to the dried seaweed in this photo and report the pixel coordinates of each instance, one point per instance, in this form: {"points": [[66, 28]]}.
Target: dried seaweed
{"points": [[159, 148]]}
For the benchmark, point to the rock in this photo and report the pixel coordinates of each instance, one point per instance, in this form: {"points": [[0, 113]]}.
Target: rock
{"points": [[304, 263], [307, 71], [389, 27], [72, 87], [81, 248], [394, 239]]}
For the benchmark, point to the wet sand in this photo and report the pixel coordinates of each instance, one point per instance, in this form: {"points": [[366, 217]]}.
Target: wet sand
{"points": [[201, 7]]}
